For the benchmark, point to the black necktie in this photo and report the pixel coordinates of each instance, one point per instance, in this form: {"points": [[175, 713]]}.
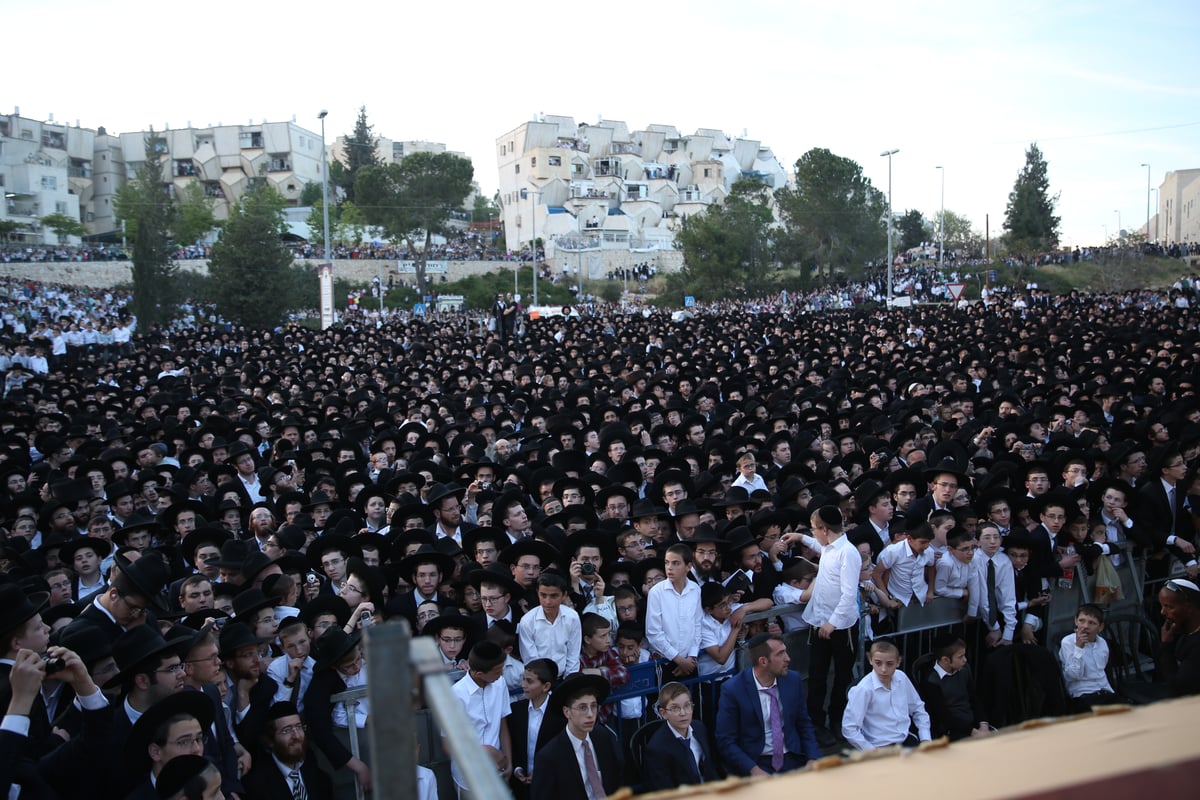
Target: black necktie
{"points": [[993, 600], [1174, 508]]}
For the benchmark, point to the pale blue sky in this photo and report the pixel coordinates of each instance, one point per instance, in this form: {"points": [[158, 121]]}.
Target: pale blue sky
{"points": [[1101, 86]]}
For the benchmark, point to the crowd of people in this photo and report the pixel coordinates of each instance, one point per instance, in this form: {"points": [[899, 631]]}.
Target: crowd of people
{"points": [[197, 531]]}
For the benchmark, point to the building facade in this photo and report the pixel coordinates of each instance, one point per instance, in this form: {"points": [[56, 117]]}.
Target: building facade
{"points": [[600, 187], [45, 168], [1178, 219]]}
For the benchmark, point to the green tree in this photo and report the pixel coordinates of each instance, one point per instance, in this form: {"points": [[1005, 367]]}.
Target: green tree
{"points": [[484, 210], [728, 247], [960, 235], [145, 207], [195, 218], [63, 226], [1030, 224], [913, 230], [351, 223], [359, 153], [310, 195], [250, 274], [412, 200], [834, 218], [316, 224], [8, 227]]}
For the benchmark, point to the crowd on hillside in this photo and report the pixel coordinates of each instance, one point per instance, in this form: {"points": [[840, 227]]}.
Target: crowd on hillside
{"points": [[198, 528]]}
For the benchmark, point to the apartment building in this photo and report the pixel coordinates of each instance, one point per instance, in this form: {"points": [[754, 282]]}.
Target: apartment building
{"points": [[1178, 208], [603, 186], [45, 168]]}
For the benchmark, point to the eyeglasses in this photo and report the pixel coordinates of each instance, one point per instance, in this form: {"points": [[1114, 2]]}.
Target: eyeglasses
{"points": [[188, 742], [1181, 586], [487, 600], [451, 639], [215, 658], [174, 669], [135, 610], [292, 730], [332, 562], [585, 708], [946, 485], [967, 548], [680, 709]]}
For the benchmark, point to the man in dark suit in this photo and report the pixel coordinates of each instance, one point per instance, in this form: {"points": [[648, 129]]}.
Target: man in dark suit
{"points": [[423, 570], [763, 725], [1163, 509], [557, 773], [677, 754], [288, 770]]}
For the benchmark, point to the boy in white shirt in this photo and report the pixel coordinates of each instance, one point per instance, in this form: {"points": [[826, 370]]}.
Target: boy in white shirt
{"points": [[883, 706], [552, 630], [720, 629], [952, 572], [1084, 657], [905, 569]]}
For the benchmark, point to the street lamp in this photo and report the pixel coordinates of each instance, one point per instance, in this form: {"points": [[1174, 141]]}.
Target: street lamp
{"points": [[889, 154], [1156, 202], [1147, 166], [533, 243], [326, 297], [1117, 211], [942, 224]]}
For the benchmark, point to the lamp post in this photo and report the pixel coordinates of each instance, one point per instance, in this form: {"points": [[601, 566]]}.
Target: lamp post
{"points": [[1156, 201], [327, 271], [942, 224], [1147, 166], [1117, 211], [889, 154]]}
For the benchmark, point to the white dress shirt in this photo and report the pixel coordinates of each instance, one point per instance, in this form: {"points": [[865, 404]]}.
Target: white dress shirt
{"points": [[537, 716], [673, 619], [951, 577], [1006, 591], [577, 746], [835, 589], [1084, 667], [906, 571], [486, 707], [878, 716], [713, 633], [560, 641]]}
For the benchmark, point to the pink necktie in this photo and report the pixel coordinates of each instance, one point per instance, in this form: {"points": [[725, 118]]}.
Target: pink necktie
{"points": [[593, 774], [778, 749]]}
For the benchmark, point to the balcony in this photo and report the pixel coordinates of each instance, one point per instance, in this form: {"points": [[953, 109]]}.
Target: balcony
{"points": [[54, 140], [183, 168], [250, 140], [279, 164], [19, 209], [213, 190]]}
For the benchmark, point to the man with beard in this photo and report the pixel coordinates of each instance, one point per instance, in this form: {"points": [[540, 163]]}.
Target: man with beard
{"points": [[706, 565], [250, 690], [289, 770]]}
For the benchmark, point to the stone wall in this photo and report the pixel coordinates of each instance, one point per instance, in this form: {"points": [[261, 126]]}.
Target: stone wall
{"points": [[106, 274]]}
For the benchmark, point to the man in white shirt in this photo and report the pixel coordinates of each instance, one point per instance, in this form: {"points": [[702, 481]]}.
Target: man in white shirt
{"points": [[884, 704], [993, 588], [832, 612], [484, 698]]}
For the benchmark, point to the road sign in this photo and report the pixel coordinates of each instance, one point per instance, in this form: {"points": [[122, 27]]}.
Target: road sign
{"points": [[955, 290]]}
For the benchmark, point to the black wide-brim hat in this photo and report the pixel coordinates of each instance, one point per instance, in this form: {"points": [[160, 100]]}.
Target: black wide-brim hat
{"points": [[574, 686], [136, 754], [17, 608], [332, 646], [138, 644]]}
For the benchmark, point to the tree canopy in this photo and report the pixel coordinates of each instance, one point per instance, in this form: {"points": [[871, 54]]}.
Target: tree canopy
{"points": [[834, 218], [1030, 224], [913, 229], [728, 246], [250, 273], [64, 225], [412, 199]]}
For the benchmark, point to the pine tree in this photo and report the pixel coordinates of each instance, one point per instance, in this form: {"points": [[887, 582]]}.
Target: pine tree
{"points": [[149, 216], [250, 271], [359, 153], [1030, 224]]}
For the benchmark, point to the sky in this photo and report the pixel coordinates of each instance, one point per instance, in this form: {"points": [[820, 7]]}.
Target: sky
{"points": [[1102, 86]]}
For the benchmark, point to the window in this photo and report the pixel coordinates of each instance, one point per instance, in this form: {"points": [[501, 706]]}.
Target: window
{"points": [[707, 172], [60, 208], [49, 182], [556, 161], [517, 168], [503, 150], [533, 162], [91, 217]]}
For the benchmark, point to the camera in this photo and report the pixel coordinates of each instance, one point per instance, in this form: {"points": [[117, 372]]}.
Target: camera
{"points": [[587, 568], [883, 455], [54, 664], [313, 579], [365, 618], [485, 486]]}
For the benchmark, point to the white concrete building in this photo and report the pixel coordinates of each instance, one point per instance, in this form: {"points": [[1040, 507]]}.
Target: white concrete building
{"points": [[602, 187], [1178, 218], [45, 168]]}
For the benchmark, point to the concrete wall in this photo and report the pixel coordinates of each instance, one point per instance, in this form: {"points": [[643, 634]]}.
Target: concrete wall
{"points": [[106, 274]]}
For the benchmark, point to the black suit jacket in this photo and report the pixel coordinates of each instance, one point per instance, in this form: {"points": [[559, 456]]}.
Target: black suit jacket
{"points": [[1155, 512], [556, 773], [39, 742], [318, 715], [866, 533], [406, 606], [97, 619], [518, 731], [264, 781], [668, 762]]}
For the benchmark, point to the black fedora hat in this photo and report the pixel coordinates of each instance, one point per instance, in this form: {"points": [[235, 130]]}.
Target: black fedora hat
{"points": [[328, 542], [249, 601], [136, 751], [17, 608], [497, 573], [529, 547], [332, 646], [208, 534], [425, 554], [576, 685], [440, 491], [236, 635], [451, 618], [178, 773], [137, 645], [102, 547], [121, 534], [149, 574]]}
